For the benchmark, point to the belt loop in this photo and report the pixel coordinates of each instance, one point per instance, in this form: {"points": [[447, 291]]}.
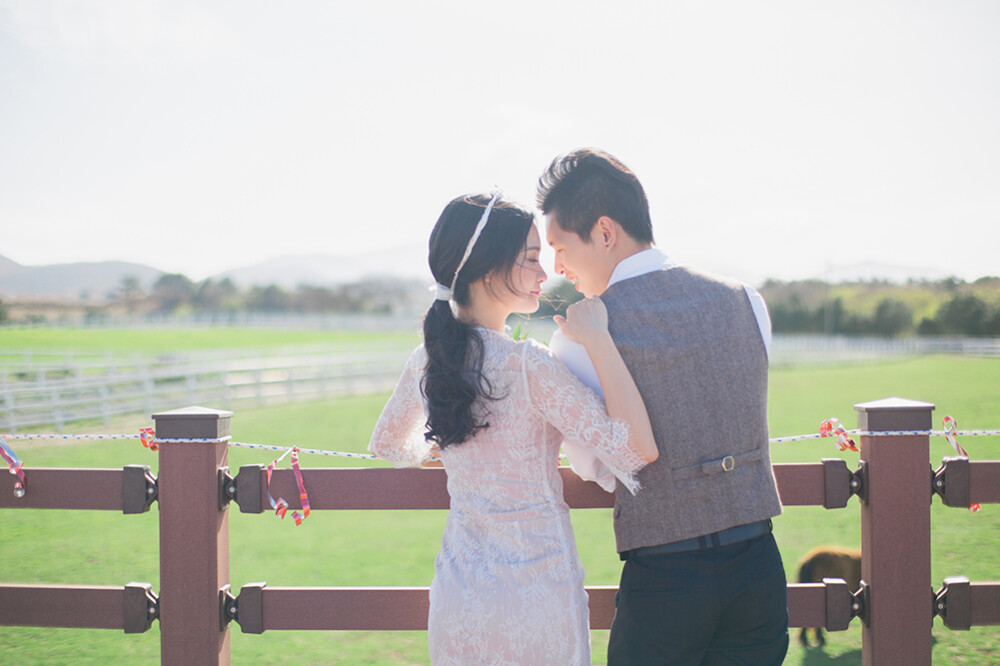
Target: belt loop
{"points": [[715, 539]]}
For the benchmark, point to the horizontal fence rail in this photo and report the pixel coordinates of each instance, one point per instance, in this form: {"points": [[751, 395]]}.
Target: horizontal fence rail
{"points": [[130, 608], [259, 608]]}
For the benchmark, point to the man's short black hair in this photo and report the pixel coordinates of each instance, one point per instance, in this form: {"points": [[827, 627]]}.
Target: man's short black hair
{"points": [[583, 185]]}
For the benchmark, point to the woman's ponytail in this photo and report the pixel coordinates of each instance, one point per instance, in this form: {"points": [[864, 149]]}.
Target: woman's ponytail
{"points": [[453, 380], [451, 346]]}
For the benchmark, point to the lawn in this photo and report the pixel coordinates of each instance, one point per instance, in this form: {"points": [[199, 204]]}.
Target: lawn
{"points": [[152, 340], [397, 548]]}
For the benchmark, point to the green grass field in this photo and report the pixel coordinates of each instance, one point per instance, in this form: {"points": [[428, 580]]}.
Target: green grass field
{"points": [[127, 341], [397, 548]]}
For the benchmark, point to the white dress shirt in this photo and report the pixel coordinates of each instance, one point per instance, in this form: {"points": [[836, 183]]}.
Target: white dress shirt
{"points": [[587, 465]]}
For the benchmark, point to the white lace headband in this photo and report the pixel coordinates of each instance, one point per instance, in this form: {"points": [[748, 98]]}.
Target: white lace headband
{"points": [[447, 293]]}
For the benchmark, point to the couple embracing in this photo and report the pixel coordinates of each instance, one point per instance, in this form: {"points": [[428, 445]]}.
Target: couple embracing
{"points": [[655, 385]]}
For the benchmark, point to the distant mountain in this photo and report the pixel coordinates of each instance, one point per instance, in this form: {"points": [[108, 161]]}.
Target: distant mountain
{"points": [[92, 281], [404, 262]]}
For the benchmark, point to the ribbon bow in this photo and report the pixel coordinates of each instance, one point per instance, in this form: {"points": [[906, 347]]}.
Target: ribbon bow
{"points": [[950, 432], [280, 506], [148, 438], [830, 428], [14, 467]]}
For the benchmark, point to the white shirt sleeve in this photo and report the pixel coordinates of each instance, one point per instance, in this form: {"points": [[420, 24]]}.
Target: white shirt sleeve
{"points": [[763, 318], [584, 460]]}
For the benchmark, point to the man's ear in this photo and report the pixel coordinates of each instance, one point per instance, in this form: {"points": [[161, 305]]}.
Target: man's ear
{"points": [[605, 232]]}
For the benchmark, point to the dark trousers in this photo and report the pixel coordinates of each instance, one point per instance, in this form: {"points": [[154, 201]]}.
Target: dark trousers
{"points": [[724, 605]]}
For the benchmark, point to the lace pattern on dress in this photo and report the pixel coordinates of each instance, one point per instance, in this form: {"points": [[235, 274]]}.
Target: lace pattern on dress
{"points": [[399, 434], [579, 414]]}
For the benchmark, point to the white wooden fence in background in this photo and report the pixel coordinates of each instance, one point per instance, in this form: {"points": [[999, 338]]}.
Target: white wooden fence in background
{"points": [[52, 389], [55, 389]]}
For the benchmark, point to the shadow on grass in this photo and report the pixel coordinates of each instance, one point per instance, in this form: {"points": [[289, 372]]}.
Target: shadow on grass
{"points": [[817, 657]]}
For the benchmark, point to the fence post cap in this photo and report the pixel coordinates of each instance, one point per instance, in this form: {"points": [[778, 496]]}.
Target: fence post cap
{"points": [[895, 404], [194, 412], [194, 422], [894, 414]]}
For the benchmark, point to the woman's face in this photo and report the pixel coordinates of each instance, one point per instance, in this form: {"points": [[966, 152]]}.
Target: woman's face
{"points": [[527, 276]]}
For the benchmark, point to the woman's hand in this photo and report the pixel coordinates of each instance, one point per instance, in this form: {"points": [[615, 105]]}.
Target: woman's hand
{"points": [[585, 321]]}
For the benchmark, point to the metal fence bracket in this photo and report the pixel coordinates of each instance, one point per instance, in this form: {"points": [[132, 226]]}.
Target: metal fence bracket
{"points": [[953, 603], [251, 602], [227, 488], [139, 489], [141, 607], [951, 481], [248, 489], [229, 609], [838, 604], [859, 482], [861, 603], [840, 483]]}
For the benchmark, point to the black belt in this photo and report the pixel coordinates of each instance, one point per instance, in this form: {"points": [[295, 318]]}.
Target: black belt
{"points": [[714, 540]]}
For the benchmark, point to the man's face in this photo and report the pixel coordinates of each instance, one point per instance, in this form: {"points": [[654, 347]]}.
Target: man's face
{"points": [[587, 265]]}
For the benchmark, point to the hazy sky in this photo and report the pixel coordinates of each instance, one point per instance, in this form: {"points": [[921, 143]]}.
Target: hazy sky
{"points": [[778, 139]]}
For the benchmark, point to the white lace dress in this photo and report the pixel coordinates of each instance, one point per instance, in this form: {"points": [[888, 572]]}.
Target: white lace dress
{"points": [[508, 584]]}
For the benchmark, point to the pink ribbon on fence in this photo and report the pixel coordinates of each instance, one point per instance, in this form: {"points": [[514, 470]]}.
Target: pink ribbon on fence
{"points": [[280, 506], [950, 432], [830, 428], [14, 467]]}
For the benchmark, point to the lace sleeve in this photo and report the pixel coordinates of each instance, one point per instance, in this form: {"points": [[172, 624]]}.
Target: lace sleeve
{"points": [[579, 414], [399, 433]]}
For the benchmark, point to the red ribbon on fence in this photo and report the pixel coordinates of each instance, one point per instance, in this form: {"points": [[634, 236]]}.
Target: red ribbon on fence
{"points": [[950, 432], [148, 438], [280, 506], [830, 428], [15, 466], [303, 497]]}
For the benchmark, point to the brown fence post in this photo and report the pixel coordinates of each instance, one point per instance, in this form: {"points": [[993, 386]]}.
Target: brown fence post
{"points": [[194, 536], [896, 533]]}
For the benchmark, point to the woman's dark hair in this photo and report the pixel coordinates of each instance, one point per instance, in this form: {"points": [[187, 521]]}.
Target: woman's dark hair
{"points": [[454, 380], [583, 185]]}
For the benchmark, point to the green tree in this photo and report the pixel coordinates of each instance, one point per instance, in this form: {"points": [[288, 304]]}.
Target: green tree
{"points": [[891, 318], [172, 291], [221, 296], [130, 293], [271, 298], [964, 315]]}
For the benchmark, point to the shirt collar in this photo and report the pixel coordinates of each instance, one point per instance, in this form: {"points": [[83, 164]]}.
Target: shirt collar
{"points": [[640, 263]]}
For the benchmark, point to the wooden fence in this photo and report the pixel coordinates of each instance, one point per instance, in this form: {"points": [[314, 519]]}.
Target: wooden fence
{"points": [[57, 388], [195, 606], [53, 390]]}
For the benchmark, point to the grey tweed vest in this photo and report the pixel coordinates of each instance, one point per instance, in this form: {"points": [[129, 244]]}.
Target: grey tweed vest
{"points": [[693, 345]]}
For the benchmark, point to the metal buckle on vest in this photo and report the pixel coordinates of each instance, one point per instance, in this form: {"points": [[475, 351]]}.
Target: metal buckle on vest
{"points": [[728, 463]]}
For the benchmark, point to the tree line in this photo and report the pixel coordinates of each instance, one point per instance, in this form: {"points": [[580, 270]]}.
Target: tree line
{"points": [[174, 293], [948, 307]]}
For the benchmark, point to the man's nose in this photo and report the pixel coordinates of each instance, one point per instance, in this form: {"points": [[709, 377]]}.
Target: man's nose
{"points": [[558, 267]]}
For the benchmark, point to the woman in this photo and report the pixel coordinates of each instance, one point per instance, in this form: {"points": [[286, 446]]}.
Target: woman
{"points": [[508, 584]]}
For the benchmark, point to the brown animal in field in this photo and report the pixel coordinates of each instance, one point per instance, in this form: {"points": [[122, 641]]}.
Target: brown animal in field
{"points": [[829, 562]]}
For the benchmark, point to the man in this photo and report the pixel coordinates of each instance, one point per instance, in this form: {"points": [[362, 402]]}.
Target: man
{"points": [[703, 581]]}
